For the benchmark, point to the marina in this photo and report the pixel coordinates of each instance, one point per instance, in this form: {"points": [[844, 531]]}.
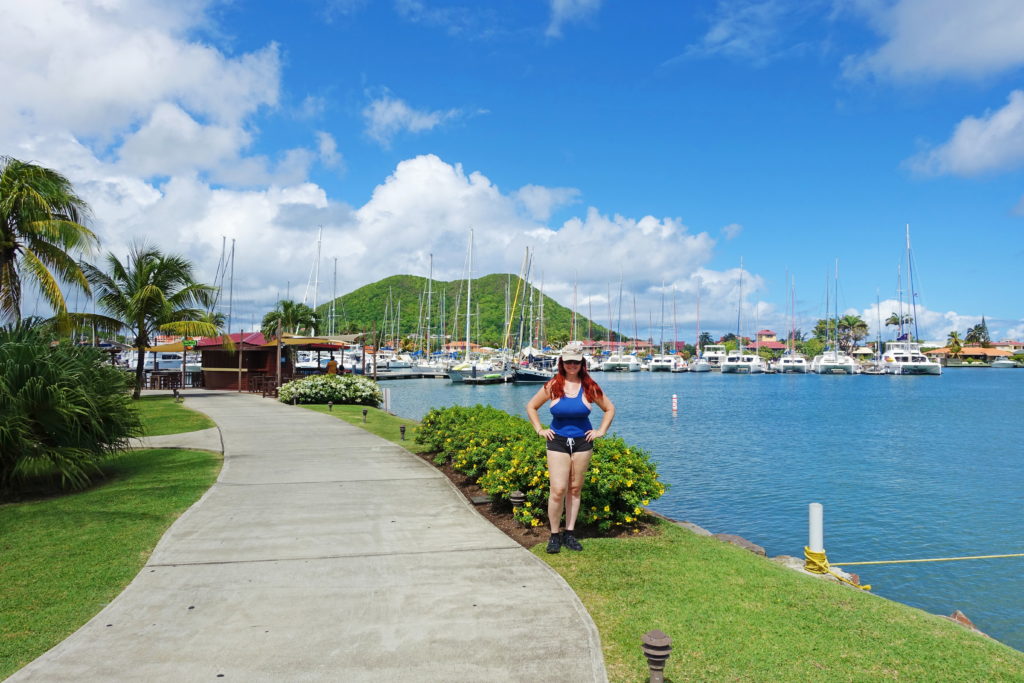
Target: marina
{"points": [[906, 467]]}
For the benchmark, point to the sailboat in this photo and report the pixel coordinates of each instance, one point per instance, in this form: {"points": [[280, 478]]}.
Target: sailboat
{"points": [[469, 367], [741, 361], [791, 361], [904, 357], [832, 361], [699, 363]]}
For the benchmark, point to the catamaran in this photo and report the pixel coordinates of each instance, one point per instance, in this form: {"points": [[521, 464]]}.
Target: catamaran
{"points": [[902, 356]]}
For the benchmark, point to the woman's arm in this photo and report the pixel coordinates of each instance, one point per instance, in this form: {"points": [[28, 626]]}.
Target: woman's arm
{"points": [[608, 407], [531, 411]]}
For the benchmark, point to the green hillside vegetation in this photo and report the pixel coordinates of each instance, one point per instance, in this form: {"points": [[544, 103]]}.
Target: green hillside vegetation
{"points": [[365, 309]]}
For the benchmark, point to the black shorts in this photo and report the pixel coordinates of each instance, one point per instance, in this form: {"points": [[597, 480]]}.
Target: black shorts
{"points": [[564, 444]]}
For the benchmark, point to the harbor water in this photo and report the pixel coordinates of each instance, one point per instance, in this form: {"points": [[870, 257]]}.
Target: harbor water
{"points": [[906, 467]]}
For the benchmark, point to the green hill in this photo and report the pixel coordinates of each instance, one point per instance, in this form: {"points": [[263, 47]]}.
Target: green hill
{"points": [[374, 307]]}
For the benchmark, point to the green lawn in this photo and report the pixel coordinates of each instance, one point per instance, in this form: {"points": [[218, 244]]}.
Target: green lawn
{"points": [[734, 616], [162, 415], [65, 558], [377, 422]]}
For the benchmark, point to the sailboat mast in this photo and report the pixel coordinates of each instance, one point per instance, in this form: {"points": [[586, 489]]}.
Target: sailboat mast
{"points": [[469, 289], [739, 310], [430, 286], [675, 324], [913, 290], [697, 347]]}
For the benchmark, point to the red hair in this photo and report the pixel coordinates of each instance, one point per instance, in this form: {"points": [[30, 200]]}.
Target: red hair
{"points": [[556, 385]]}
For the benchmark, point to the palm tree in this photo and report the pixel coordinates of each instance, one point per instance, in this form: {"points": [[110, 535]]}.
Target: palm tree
{"points": [[853, 329], [896, 321], [705, 339], [40, 228], [955, 343], [978, 334], [292, 316], [151, 292]]}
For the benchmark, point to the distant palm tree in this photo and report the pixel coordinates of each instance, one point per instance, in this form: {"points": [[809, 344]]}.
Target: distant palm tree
{"points": [[978, 334], [955, 343], [895, 321], [851, 329], [40, 229], [151, 292], [294, 318], [705, 339]]}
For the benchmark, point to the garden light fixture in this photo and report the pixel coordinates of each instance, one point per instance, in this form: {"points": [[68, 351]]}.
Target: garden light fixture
{"points": [[517, 498], [401, 428], [657, 647], [330, 406], [364, 414]]}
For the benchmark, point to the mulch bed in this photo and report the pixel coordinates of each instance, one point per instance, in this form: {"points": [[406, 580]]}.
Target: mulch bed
{"points": [[500, 513]]}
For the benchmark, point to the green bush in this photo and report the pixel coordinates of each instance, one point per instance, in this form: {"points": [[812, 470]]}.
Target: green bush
{"points": [[63, 409], [339, 389], [502, 454]]}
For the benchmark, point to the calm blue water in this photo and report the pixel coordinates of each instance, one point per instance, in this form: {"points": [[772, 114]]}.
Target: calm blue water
{"points": [[906, 467]]}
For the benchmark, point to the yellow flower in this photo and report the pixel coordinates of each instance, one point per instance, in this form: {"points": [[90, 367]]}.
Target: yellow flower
{"points": [[628, 518], [592, 508], [535, 522], [607, 508], [636, 511], [629, 483], [647, 502], [527, 504]]}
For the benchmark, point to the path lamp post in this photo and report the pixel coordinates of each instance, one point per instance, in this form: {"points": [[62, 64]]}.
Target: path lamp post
{"points": [[657, 647], [364, 414], [330, 406], [401, 428]]}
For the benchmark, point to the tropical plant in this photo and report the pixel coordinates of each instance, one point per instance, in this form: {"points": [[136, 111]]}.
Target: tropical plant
{"points": [[63, 409], [339, 389], [978, 334], [40, 231], [503, 454], [705, 339], [293, 317], [851, 330], [150, 292], [955, 343], [895, 320]]}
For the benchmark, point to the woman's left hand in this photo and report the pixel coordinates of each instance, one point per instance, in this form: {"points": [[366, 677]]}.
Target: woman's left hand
{"points": [[594, 434]]}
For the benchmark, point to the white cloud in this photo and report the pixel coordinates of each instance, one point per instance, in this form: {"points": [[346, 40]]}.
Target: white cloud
{"points": [[993, 142], [540, 202], [931, 325], [387, 116], [328, 150], [568, 11], [732, 231], [749, 29], [95, 67], [942, 38]]}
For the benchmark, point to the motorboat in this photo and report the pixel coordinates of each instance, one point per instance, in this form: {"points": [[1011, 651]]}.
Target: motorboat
{"points": [[714, 354], [905, 358], [1004, 363], [661, 363], [679, 365], [834, 362], [741, 362], [621, 363], [531, 375]]}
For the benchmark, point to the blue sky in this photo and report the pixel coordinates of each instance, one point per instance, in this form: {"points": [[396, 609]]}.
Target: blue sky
{"points": [[657, 142]]}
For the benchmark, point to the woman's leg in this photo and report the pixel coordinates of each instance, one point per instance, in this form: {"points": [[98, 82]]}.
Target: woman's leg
{"points": [[580, 463], [559, 465]]}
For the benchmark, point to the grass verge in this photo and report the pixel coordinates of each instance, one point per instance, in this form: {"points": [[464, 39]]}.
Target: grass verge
{"points": [[162, 415], [378, 422], [65, 558], [735, 616]]}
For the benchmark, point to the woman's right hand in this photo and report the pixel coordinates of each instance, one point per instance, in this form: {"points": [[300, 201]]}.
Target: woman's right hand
{"points": [[545, 433]]}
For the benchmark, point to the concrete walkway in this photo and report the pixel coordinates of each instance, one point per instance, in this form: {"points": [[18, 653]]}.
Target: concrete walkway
{"points": [[326, 553]]}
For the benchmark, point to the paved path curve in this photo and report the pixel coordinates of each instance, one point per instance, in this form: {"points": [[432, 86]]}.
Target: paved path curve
{"points": [[326, 553]]}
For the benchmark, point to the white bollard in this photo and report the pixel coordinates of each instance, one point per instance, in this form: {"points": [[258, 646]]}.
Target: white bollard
{"points": [[675, 403], [816, 527]]}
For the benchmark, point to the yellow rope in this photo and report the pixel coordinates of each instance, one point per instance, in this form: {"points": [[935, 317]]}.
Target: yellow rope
{"points": [[817, 563], [935, 559]]}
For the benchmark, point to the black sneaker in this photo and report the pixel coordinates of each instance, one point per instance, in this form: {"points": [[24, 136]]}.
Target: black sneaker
{"points": [[555, 543], [570, 542]]}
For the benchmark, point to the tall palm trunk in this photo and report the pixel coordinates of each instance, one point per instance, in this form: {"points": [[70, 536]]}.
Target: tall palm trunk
{"points": [[140, 371]]}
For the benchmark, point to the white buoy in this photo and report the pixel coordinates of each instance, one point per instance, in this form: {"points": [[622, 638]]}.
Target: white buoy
{"points": [[675, 403], [816, 527]]}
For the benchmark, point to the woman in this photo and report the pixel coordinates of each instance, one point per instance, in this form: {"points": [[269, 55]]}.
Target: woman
{"points": [[570, 439]]}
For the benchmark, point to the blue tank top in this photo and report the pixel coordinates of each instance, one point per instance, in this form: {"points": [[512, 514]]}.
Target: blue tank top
{"points": [[570, 417]]}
